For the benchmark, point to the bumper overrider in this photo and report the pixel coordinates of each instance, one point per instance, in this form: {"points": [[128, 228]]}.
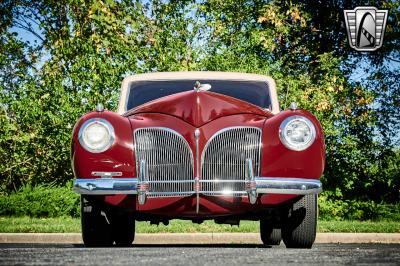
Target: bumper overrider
{"points": [[109, 185]]}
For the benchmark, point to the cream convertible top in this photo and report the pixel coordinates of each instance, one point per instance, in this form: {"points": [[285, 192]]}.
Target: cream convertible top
{"points": [[205, 75]]}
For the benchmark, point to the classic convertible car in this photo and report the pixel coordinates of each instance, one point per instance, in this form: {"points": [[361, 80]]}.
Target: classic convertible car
{"points": [[198, 146]]}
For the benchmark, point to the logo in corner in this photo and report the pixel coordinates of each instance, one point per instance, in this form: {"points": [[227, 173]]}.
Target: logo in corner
{"points": [[365, 28]]}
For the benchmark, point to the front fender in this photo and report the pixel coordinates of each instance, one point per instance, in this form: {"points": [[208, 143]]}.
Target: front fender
{"points": [[279, 161], [118, 158]]}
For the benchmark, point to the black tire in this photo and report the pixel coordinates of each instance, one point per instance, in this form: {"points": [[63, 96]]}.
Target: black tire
{"points": [[270, 236], [300, 226], [96, 227], [123, 229]]}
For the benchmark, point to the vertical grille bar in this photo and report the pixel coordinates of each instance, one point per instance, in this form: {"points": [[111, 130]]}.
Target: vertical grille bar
{"points": [[223, 165]]}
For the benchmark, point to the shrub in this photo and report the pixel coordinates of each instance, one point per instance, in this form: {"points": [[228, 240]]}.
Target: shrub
{"points": [[336, 209], [41, 201]]}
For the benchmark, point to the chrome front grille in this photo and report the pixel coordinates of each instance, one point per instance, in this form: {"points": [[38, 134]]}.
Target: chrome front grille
{"points": [[164, 157], [223, 169], [168, 159]]}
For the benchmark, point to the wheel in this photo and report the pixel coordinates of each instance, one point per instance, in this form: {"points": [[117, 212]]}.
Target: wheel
{"points": [[269, 235], [123, 229], [300, 226], [96, 227]]}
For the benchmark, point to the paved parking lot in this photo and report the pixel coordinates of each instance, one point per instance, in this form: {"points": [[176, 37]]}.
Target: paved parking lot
{"points": [[200, 254]]}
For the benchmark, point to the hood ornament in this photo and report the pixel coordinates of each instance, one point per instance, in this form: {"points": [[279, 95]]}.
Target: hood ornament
{"points": [[201, 87]]}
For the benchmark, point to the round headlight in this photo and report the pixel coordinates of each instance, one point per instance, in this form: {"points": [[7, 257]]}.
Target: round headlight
{"points": [[297, 133], [96, 135]]}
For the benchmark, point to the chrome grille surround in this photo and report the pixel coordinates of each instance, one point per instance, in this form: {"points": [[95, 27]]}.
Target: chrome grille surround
{"points": [[168, 159], [223, 163]]}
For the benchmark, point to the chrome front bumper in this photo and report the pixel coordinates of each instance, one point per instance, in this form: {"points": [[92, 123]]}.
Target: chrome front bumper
{"points": [[259, 185]]}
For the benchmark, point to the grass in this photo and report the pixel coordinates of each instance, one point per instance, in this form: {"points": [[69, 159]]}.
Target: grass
{"points": [[71, 225], [359, 227], [39, 225]]}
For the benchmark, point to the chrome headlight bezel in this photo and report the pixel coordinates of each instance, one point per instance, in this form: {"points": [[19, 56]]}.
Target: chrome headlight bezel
{"points": [[289, 121], [107, 125]]}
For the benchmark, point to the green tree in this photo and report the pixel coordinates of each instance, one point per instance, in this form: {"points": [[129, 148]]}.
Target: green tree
{"points": [[83, 51], [303, 45], [84, 48]]}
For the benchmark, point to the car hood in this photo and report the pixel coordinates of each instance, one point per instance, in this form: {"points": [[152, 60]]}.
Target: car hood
{"points": [[198, 108]]}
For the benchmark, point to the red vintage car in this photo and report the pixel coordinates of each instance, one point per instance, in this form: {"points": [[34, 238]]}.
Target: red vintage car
{"points": [[198, 146]]}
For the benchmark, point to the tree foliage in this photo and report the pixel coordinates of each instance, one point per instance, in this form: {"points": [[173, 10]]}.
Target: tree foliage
{"points": [[84, 48], [303, 45]]}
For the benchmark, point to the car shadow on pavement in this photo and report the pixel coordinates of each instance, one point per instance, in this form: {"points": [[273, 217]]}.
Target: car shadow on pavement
{"points": [[65, 245], [189, 246], [202, 245]]}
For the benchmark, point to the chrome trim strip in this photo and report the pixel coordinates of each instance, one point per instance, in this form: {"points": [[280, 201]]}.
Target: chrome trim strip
{"points": [[143, 184], [171, 194], [106, 186], [286, 185], [264, 185], [223, 181], [171, 181], [197, 186], [251, 184], [227, 193], [106, 174]]}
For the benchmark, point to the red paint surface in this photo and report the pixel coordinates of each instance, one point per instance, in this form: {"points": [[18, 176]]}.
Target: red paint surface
{"points": [[210, 112]]}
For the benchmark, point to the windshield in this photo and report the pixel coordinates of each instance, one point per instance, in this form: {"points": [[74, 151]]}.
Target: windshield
{"points": [[255, 92]]}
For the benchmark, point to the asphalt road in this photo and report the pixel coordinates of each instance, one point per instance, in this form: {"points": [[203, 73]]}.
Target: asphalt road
{"points": [[224, 255]]}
